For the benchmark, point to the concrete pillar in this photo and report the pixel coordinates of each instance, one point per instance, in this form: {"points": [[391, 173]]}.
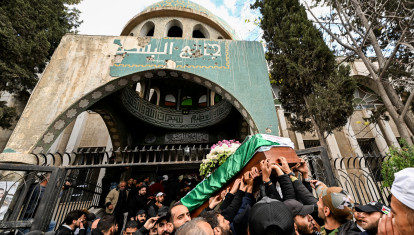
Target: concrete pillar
{"points": [[283, 124], [77, 132], [378, 135], [299, 140], [350, 135], [333, 146]]}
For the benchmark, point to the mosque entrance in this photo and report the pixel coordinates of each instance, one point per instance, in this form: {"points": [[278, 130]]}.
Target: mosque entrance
{"points": [[162, 111]]}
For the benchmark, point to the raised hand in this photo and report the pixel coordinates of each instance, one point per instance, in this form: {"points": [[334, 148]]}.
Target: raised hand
{"points": [[276, 167], [151, 222], [386, 225], [266, 170], [302, 167], [214, 201], [224, 192], [254, 172], [236, 186], [243, 186], [285, 166]]}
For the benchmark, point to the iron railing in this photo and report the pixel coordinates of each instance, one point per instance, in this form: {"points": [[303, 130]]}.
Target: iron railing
{"points": [[360, 176], [138, 156]]}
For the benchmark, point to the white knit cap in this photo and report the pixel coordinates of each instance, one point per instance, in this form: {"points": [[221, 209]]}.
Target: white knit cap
{"points": [[403, 187]]}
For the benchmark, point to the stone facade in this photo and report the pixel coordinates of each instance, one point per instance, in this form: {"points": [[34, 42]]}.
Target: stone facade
{"points": [[174, 42]]}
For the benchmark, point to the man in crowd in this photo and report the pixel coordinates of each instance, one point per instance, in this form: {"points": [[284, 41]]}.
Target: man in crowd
{"points": [[271, 216], [217, 222], [141, 218], [196, 226], [335, 208], [179, 215], [367, 216], [146, 181], [130, 184], [107, 225], [159, 200], [137, 201], [304, 223], [116, 203], [73, 220], [401, 219], [130, 227], [156, 187]]}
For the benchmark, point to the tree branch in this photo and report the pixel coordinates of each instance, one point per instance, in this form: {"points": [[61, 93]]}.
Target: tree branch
{"points": [[407, 105], [329, 31]]}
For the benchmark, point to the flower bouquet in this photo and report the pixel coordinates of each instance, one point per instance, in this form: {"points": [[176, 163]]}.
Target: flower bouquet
{"points": [[218, 155]]}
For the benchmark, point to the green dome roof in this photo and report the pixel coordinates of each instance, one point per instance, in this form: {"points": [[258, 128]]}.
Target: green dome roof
{"points": [[194, 6]]}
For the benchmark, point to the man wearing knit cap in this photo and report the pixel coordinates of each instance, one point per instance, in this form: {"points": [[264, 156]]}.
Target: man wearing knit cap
{"points": [[335, 208], [401, 219]]}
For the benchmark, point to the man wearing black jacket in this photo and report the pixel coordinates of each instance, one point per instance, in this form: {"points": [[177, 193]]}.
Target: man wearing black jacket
{"points": [[137, 202], [73, 220]]}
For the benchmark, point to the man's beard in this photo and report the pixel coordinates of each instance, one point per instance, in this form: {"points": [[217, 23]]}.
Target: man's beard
{"points": [[224, 232], [140, 224], [304, 229]]}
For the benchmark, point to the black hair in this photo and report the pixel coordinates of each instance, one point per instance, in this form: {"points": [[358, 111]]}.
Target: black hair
{"points": [[211, 218], [71, 216], [131, 224], [106, 223]]}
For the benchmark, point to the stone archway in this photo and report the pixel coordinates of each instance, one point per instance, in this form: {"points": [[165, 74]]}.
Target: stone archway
{"points": [[59, 124]]}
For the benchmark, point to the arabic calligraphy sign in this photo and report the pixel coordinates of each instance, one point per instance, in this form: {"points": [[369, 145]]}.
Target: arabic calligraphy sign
{"points": [[184, 53]]}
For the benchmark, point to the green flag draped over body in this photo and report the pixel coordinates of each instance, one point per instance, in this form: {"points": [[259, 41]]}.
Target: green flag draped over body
{"points": [[205, 189]]}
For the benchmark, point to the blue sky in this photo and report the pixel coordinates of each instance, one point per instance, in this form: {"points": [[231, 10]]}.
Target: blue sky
{"points": [[108, 17]]}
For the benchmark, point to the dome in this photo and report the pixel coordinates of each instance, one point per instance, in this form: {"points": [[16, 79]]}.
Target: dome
{"points": [[187, 9]]}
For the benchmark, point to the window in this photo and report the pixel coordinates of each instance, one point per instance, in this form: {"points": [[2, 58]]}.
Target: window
{"points": [[154, 96], [311, 143], [174, 29], [368, 146], [170, 101], [147, 29], [187, 101], [199, 31], [202, 101], [217, 98]]}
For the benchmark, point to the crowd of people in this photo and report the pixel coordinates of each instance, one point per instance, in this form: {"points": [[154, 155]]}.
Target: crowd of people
{"points": [[137, 208]]}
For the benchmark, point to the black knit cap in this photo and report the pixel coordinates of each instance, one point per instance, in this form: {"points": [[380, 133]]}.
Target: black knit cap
{"points": [[164, 213], [298, 208], [270, 213]]}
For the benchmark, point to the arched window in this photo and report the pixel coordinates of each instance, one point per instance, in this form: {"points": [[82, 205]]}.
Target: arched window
{"points": [[217, 98], [147, 29], [202, 101], [170, 101], [187, 101], [138, 89], [199, 31], [154, 96], [220, 37], [174, 29]]}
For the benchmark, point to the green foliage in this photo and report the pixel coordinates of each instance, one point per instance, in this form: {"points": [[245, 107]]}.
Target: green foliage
{"points": [[301, 64], [30, 31], [396, 160]]}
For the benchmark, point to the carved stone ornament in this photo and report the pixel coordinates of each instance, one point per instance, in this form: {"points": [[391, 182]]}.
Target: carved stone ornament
{"points": [[170, 118]]}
